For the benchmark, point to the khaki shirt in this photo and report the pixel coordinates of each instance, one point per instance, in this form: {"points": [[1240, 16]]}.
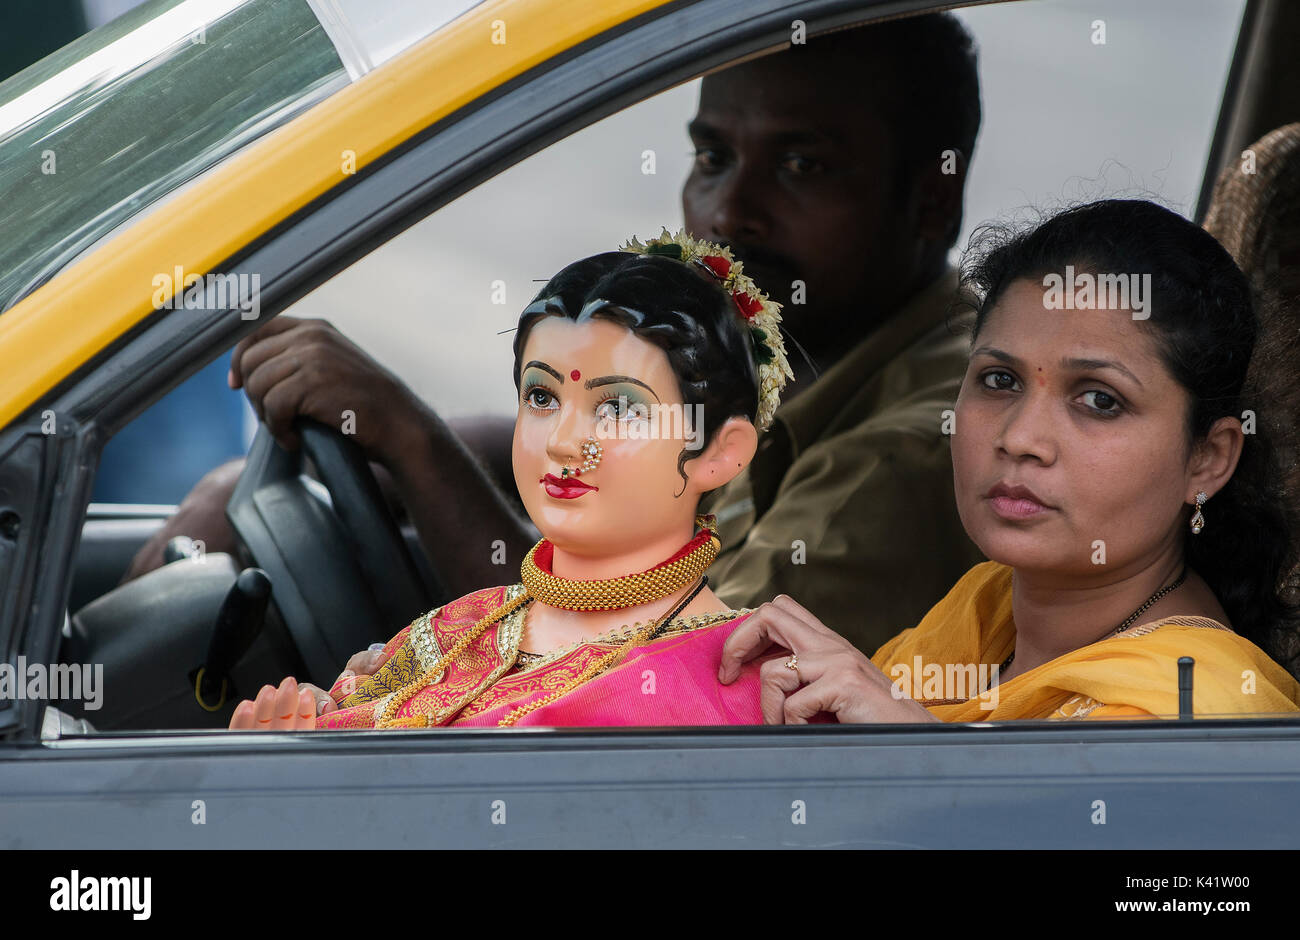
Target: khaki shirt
{"points": [[848, 505]]}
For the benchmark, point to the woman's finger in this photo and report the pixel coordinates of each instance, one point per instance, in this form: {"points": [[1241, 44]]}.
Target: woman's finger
{"points": [[813, 698], [776, 682], [764, 627], [796, 610]]}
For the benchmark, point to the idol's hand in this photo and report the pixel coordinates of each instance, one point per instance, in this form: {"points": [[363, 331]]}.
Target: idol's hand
{"points": [[288, 708], [832, 675], [361, 666], [294, 368]]}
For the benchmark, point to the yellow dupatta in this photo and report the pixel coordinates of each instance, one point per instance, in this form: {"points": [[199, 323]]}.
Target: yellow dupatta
{"points": [[1134, 674]]}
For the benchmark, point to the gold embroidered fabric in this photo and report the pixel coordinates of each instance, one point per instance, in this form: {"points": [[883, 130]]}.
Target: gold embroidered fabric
{"points": [[403, 666], [486, 674], [614, 637]]}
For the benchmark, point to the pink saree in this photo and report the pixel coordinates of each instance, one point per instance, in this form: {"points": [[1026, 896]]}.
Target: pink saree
{"points": [[671, 681]]}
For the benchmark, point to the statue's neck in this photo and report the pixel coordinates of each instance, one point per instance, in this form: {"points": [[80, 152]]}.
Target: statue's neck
{"points": [[579, 567]]}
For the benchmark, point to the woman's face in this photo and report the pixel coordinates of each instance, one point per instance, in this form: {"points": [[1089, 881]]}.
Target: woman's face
{"points": [[597, 379], [1071, 440]]}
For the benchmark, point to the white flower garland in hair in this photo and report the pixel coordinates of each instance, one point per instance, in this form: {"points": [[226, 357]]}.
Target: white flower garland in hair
{"points": [[761, 314]]}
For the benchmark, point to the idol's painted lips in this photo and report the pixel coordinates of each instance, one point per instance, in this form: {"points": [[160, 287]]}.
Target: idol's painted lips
{"points": [[570, 488], [1013, 501]]}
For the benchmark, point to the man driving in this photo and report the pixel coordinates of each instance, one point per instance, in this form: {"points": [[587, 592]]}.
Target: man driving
{"points": [[835, 171]]}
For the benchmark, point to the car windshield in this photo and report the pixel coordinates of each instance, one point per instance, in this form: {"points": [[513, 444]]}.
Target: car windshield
{"points": [[96, 133]]}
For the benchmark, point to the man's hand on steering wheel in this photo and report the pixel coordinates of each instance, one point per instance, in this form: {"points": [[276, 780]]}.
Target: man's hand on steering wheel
{"points": [[293, 368]]}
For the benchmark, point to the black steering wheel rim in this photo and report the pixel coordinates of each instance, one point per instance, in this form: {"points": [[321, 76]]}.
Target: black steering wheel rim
{"points": [[341, 577]]}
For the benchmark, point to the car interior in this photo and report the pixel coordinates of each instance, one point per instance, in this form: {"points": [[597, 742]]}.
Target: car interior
{"points": [[182, 644]]}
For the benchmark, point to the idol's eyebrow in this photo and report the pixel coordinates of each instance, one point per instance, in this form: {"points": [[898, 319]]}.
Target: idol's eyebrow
{"points": [[545, 368], [1082, 364], [615, 379]]}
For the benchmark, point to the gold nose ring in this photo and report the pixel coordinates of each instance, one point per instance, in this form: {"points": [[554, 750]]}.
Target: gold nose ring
{"points": [[591, 453]]}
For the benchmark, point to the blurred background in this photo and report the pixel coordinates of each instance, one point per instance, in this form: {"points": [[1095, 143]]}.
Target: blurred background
{"points": [[1065, 120]]}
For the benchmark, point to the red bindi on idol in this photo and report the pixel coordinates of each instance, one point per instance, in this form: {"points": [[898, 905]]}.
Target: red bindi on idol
{"points": [[575, 375]]}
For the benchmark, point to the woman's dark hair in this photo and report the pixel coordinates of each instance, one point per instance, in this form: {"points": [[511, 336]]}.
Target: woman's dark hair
{"points": [[679, 309], [1204, 320]]}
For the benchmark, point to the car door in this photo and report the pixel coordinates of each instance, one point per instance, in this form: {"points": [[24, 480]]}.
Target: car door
{"points": [[968, 786]]}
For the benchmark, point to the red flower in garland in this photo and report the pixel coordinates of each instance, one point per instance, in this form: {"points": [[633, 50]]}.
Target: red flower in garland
{"points": [[749, 306], [717, 264]]}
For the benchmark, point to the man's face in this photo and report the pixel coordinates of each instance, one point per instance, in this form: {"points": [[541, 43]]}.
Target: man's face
{"points": [[797, 179]]}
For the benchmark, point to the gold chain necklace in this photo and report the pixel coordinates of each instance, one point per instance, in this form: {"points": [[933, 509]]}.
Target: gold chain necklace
{"points": [[1128, 621]]}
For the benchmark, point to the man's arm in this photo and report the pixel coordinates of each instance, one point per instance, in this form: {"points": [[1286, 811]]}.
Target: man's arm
{"points": [[863, 532], [294, 368], [472, 535]]}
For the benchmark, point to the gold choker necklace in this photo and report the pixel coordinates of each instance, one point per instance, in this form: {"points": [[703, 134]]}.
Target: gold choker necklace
{"points": [[631, 590]]}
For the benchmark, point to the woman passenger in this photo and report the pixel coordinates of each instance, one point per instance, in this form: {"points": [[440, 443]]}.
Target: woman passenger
{"points": [[1107, 459]]}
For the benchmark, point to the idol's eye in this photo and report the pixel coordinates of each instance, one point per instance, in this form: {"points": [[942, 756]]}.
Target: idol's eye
{"points": [[615, 409], [1102, 402], [539, 399], [1000, 380]]}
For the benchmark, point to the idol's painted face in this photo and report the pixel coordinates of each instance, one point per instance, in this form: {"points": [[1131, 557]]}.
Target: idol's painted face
{"points": [[597, 379], [1071, 436]]}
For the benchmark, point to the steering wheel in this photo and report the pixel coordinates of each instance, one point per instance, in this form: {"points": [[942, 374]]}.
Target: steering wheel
{"points": [[340, 579]]}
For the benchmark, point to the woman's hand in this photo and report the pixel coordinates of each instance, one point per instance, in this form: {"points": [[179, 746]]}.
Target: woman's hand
{"points": [[832, 675]]}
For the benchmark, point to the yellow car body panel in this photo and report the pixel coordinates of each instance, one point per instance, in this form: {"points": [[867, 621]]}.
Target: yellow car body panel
{"points": [[88, 305]]}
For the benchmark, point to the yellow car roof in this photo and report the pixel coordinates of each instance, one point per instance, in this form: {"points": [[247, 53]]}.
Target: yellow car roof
{"points": [[92, 302]]}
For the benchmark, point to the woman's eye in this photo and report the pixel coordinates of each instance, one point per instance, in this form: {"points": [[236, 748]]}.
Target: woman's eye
{"points": [[540, 399], [1002, 381], [1102, 402]]}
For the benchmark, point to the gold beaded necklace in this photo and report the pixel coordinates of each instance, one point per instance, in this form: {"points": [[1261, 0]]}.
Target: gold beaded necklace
{"points": [[631, 590], [611, 594]]}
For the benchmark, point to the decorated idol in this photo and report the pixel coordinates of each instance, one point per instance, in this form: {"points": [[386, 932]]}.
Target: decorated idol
{"points": [[645, 376]]}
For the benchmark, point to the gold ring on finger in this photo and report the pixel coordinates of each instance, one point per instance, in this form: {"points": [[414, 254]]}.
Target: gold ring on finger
{"points": [[793, 663]]}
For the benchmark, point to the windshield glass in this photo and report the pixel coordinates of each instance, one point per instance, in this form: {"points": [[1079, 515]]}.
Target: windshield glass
{"points": [[94, 133]]}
